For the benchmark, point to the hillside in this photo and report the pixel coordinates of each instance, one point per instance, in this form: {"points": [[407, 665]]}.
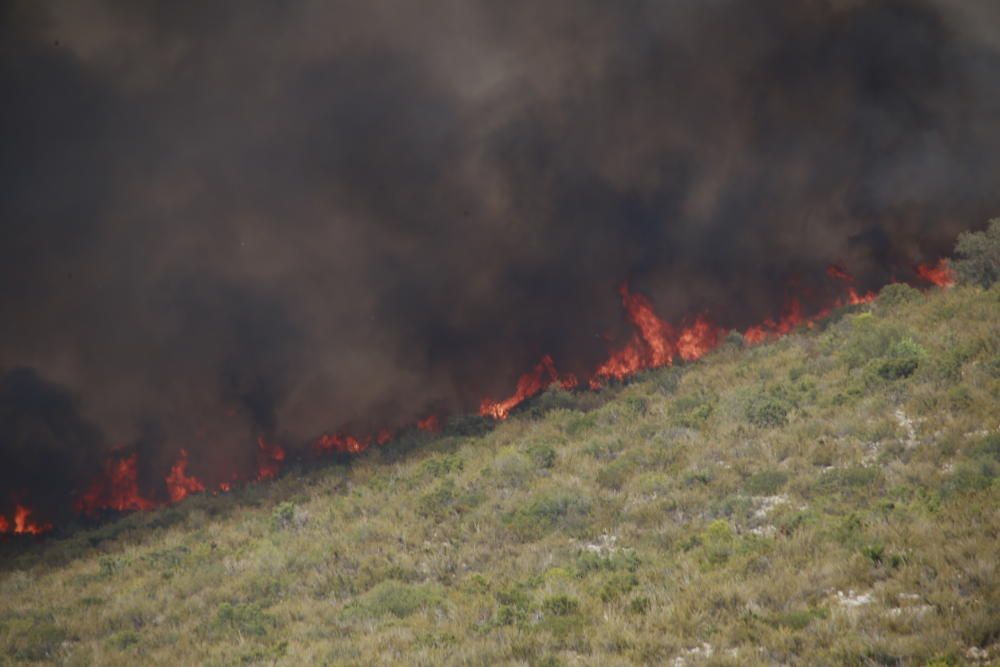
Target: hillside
{"points": [[828, 498]]}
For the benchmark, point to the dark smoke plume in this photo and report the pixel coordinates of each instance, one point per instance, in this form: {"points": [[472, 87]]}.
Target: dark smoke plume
{"points": [[227, 219]]}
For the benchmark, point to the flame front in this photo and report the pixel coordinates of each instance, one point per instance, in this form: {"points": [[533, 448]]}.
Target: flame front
{"points": [[653, 343], [529, 384], [179, 483], [117, 489], [270, 458], [940, 274]]}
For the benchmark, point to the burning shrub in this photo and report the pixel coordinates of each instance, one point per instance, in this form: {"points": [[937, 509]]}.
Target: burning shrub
{"points": [[979, 253]]}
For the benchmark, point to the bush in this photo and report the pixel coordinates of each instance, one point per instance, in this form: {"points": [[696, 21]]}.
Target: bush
{"points": [[543, 456], [555, 510], [614, 475], [767, 411], [35, 638], [640, 605], [283, 516], [247, 619], [438, 466], [766, 483], [553, 398], [979, 254], [560, 605], [394, 598], [902, 359], [513, 468], [718, 541], [896, 294]]}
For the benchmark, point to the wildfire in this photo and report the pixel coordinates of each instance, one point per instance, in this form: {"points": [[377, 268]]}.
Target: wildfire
{"points": [[653, 343], [940, 274], [431, 424], [179, 484], [529, 384], [269, 459], [117, 489], [23, 525]]}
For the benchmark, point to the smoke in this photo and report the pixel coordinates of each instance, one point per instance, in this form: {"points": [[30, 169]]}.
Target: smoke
{"points": [[222, 220]]}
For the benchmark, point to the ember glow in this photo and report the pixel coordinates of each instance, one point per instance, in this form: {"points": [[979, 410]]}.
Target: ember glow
{"points": [[940, 274]]}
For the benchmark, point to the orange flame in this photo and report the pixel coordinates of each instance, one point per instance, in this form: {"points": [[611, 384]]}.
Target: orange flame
{"points": [[345, 444], [179, 484], [430, 423], [24, 526], [528, 385], [269, 459], [117, 489], [656, 343], [940, 274]]}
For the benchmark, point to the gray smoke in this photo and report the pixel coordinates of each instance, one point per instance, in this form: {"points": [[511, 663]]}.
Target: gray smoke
{"points": [[232, 218]]}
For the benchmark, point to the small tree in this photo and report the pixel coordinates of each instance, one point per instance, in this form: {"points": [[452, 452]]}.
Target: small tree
{"points": [[980, 256]]}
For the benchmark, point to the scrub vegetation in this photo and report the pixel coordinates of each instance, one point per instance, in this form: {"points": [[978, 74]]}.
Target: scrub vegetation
{"points": [[829, 498]]}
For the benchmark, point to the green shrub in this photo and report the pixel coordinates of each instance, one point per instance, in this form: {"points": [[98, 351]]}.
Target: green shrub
{"points": [[444, 464], [901, 360], [896, 294], [245, 618], [614, 475], [283, 516], [979, 256], [693, 410], [124, 640], [718, 542], [553, 398], [617, 585], [766, 483], [542, 455], [34, 638], [394, 598], [767, 411], [560, 605], [554, 510], [438, 503], [513, 468], [640, 605], [868, 339]]}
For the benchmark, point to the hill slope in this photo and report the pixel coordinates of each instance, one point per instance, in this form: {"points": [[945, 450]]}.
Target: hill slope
{"points": [[830, 498]]}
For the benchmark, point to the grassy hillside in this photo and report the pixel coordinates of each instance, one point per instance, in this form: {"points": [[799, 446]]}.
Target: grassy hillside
{"points": [[831, 498]]}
